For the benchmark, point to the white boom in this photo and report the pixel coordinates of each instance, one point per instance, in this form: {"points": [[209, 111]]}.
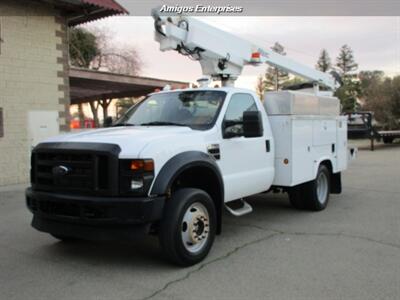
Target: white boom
{"points": [[223, 55]]}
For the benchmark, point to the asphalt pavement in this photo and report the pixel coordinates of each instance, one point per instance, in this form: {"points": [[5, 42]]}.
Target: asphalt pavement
{"points": [[351, 250]]}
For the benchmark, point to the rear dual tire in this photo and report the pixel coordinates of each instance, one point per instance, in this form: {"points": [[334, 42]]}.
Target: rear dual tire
{"points": [[313, 195]]}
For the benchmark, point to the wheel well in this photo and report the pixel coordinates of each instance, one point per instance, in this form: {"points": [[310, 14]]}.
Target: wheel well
{"points": [[327, 163], [335, 182], [203, 178]]}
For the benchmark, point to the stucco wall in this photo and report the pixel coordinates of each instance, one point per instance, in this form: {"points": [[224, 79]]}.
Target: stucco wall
{"points": [[33, 76]]}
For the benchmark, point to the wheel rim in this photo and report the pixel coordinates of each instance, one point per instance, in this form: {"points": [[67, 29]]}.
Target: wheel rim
{"points": [[195, 227], [322, 187]]}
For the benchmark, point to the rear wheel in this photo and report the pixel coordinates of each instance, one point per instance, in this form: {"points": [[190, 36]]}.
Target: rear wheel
{"points": [[313, 195], [188, 227]]}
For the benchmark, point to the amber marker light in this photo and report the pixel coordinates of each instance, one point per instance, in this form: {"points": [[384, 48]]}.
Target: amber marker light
{"points": [[142, 165]]}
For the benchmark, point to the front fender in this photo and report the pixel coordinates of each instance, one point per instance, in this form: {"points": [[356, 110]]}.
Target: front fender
{"points": [[179, 163], [184, 161]]}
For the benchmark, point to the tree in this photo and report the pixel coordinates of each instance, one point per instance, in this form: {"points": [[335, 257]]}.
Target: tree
{"points": [[260, 87], [381, 96], [369, 82], [324, 61], [94, 48], [348, 94], [274, 77], [105, 103], [345, 61], [83, 47], [94, 106], [350, 90], [121, 59]]}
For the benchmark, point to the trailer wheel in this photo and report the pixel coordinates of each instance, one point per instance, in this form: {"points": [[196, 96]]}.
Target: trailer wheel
{"points": [[387, 140], [188, 227]]}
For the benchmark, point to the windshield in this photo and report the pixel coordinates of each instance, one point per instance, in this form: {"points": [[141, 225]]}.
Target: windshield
{"points": [[196, 109]]}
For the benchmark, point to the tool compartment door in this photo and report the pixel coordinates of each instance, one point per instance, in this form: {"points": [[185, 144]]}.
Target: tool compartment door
{"points": [[302, 156], [324, 132]]}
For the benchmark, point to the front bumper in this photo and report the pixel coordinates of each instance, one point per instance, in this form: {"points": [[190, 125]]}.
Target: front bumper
{"points": [[96, 218]]}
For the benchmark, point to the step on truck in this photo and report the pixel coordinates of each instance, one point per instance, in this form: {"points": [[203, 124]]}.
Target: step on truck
{"points": [[176, 160]]}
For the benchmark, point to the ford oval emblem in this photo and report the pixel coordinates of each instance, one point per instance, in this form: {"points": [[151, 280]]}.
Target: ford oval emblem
{"points": [[60, 171]]}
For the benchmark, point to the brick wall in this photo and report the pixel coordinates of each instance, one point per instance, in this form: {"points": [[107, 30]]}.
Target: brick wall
{"points": [[33, 76]]}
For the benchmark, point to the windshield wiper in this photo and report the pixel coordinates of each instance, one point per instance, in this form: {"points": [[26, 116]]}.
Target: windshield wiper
{"points": [[123, 124], [160, 123]]}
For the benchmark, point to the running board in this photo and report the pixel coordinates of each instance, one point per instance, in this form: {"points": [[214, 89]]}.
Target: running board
{"points": [[243, 210]]}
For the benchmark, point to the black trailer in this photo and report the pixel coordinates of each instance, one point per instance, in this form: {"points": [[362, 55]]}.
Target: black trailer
{"points": [[360, 127]]}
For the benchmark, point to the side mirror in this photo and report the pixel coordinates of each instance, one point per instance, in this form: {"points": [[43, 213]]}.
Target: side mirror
{"points": [[252, 124], [108, 122]]}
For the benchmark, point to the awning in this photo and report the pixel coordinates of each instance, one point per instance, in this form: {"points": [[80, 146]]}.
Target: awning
{"points": [[108, 4], [82, 11], [87, 85], [96, 9]]}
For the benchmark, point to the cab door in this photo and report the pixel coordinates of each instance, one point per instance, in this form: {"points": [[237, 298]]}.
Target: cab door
{"points": [[246, 162]]}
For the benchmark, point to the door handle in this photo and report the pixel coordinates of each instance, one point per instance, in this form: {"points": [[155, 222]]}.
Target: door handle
{"points": [[267, 146]]}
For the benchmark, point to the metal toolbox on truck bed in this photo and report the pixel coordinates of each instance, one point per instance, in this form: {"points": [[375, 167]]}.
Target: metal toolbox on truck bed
{"points": [[300, 103]]}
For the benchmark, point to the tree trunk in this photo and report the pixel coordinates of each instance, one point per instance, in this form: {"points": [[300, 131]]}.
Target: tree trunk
{"points": [[81, 115], [104, 104], [95, 107]]}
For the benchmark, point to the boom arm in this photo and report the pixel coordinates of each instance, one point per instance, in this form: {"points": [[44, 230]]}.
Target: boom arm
{"points": [[223, 55]]}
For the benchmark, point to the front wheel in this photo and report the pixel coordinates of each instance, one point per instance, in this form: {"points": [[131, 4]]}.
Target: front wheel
{"points": [[188, 227]]}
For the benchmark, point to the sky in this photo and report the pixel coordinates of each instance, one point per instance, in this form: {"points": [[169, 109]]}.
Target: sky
{"points": [[374, 40]]}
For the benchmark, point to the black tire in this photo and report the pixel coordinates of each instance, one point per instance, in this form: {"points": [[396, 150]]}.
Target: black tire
{"points": [[305, 196], [387, 140], [63, 238], [171, 226]]}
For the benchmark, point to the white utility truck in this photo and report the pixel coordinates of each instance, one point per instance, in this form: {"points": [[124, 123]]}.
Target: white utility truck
{"points": [[174, 161]]}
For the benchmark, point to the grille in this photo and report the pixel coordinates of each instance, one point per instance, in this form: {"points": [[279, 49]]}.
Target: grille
{"points": [[80, 172]]}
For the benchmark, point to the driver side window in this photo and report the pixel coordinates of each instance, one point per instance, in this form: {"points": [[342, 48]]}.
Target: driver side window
{"points": [[234, 114]]}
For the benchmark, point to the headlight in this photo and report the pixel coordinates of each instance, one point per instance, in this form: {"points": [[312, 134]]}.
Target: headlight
{"points": [[136, 184], [136, 176]]}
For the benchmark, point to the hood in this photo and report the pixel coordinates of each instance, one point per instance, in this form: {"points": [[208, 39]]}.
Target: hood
{"points": [[134, 138]]}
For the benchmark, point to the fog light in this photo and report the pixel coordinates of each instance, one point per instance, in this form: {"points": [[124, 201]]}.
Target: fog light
{"points": [[136, 184]]}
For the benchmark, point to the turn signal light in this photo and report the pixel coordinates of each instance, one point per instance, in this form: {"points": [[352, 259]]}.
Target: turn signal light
{"points": [[142, 165]]}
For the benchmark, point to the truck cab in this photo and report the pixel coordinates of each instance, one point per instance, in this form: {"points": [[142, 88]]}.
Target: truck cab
{"points": [[175, 160]]}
